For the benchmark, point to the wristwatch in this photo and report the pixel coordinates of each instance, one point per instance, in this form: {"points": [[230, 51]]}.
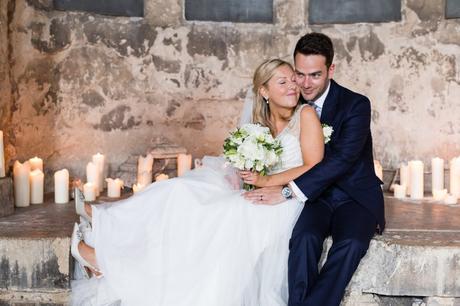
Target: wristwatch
{"points": [[286, 192]]}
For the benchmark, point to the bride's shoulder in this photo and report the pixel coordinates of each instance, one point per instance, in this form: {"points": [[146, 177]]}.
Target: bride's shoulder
{"points": [[306, 112]]}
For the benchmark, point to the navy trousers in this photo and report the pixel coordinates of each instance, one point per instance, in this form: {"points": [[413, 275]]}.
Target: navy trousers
{"points": [[351, 227]]}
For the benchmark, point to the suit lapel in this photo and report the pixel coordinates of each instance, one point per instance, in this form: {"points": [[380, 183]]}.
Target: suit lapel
{"points": [[329, 106]]}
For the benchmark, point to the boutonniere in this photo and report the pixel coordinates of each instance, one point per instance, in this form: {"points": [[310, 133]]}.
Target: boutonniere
{"points": [[327, 132]]}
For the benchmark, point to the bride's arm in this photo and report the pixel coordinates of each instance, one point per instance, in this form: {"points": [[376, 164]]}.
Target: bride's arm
{"points": [[312, 146]]}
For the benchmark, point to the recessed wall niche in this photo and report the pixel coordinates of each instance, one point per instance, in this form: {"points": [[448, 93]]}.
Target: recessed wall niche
{"points": [[128, 8], [353, 11], [257, 11]]}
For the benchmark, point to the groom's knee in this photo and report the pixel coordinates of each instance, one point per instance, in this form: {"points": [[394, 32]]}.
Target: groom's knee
{"points": [[305, 240]]}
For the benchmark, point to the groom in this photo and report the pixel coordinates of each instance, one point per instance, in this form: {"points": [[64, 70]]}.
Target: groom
{"points": [[342, 194]]}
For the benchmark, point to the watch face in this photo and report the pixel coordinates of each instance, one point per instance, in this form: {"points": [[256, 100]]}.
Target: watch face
{"points": [[286, 192]]}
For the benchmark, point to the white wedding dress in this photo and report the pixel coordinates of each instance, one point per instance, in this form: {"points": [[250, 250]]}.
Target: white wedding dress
{"points": [[194, 241]]}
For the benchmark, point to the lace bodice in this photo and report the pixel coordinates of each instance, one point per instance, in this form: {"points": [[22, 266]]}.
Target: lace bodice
{"points": [[290, 140]]}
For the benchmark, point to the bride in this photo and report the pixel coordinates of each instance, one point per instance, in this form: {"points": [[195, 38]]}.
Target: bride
{"points": [[195, 240]]}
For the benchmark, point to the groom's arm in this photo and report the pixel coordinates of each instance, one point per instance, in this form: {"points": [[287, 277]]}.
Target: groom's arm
{"points": [[345, 150]]}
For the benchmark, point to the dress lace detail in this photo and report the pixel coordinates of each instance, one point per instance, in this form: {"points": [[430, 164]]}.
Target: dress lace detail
{"points": [[290, 140]]}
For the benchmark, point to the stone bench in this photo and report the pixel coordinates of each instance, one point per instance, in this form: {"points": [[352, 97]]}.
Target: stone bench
{"points": [[415, 262]]}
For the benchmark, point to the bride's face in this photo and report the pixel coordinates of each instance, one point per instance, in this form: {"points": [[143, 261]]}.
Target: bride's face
{"points": [[281, 89]]}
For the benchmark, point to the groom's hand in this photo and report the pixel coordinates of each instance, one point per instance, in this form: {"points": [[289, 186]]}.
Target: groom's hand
{"points": [[266, 195]]}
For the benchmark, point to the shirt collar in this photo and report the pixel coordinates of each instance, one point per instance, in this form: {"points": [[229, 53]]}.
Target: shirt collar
{"points": [[320, 101]]}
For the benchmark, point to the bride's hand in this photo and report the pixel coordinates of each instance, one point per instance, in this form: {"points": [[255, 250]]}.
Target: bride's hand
{"points": [[253, 178]]}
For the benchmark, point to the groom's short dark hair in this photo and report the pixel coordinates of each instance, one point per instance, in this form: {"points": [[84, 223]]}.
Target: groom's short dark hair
{"points": [[316, 44]]}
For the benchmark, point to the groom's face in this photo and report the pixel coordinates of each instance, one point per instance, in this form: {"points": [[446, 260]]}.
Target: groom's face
{"points": [[312, 75]]}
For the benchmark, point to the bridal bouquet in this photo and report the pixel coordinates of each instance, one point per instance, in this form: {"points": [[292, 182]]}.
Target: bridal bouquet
{"points": [[252, 147]]}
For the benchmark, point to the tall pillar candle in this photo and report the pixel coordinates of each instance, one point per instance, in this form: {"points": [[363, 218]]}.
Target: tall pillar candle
{"points": [[455, 177], [21, 174], [2, 156], [184, 163], [404, 177], [61, 186], [437, 174], [399, 191], [144, 170], [36, 163], [89, 191], [36, 186], [416, 179], [114, 187], [92, 175], [99, 161]]}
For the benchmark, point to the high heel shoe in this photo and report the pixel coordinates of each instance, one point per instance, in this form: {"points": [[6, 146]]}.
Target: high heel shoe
{"points": [[75, 241], [80, 205], [87, 231]]}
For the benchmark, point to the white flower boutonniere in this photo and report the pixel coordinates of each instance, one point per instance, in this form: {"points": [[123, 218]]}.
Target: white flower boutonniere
{"points": [[327, 132]]}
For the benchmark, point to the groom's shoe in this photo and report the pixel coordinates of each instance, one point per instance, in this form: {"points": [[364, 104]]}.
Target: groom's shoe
{"points": [[80, 205], [77, 237]]}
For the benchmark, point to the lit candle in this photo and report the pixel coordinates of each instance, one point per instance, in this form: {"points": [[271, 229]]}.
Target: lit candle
{"points": [[21, 174], [99, 161], [89, 191], [61, 186], [36, 186], [437, 174], [144, 170], [36, 163], [455, 177], [2, 156], [161, 177], [114, 187], [450, 199], [184, 163], [404, 177], [399, 191], [92, 175], [439, 195], [416, 179], [137, 187]]}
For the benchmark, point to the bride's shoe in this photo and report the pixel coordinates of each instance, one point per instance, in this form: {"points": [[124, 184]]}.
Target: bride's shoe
{"points": [[87, 231], [75, 241], [80, 204]]}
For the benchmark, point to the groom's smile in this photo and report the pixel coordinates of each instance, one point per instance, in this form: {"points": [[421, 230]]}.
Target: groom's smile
{"points": [[312, 75]]}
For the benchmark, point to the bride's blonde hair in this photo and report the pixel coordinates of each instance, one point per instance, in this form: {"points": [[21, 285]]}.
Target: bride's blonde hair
{"points": [[263, 74]]}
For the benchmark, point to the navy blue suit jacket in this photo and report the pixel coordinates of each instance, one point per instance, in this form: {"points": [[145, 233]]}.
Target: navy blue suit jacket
{"points": [[348, 163]]}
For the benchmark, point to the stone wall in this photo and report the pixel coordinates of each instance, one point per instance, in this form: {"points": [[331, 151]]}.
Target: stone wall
{"points": [[83, 83]]}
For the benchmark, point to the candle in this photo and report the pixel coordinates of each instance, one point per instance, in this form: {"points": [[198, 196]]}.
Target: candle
{"points": [[89, 191], [92, 175], [184, 163], [36, 186], [416, 179], [99, 161], [161, 177], [437, 174], [21, 174], [450, 199], [2, 156], [144, 170], [439, 195], [36, 163], [137, 187], [114, 187], [399, 191], [455, 177], [61, 186], [404, 177]]}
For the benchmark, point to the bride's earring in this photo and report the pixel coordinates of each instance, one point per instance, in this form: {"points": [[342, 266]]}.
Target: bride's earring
{"points": [[266, 100]]}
